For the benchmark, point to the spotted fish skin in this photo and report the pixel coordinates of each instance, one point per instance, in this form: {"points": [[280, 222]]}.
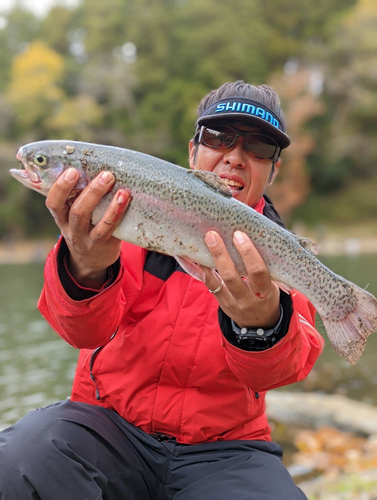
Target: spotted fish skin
{"points": [[173, 207]]}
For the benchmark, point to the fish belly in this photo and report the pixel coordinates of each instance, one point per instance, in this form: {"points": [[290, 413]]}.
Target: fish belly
{"points": [[161, 227]]}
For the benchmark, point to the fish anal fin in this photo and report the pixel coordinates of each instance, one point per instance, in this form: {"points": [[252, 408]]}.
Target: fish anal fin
{"points": [[213, 180], [191, 268]]}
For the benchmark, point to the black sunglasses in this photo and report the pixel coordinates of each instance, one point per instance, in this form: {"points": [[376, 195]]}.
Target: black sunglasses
{"points": [[223, 137]]}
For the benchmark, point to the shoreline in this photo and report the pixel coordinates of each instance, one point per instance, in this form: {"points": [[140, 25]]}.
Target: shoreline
{"points": [[25, 251], [351, 246], [29, 251]]}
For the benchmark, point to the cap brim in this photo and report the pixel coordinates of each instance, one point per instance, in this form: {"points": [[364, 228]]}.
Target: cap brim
{"points": [[281, 137]]}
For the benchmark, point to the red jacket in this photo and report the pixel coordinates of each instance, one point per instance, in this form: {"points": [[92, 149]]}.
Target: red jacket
{"points": [[168, 369]]}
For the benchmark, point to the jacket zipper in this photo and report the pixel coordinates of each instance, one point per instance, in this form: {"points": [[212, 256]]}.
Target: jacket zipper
{"points": [[92, 359]]}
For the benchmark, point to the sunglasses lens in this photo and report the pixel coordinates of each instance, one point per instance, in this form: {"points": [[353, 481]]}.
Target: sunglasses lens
{"points": [[221, 138], [260, 146]]}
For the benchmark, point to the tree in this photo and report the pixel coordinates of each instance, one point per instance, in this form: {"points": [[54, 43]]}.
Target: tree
{"points": [[301, 104], [21, 28], [34, 89], [347, 133]]}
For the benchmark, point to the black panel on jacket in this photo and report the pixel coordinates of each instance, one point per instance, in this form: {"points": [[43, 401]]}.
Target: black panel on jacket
{"points": [[270, 212], [161, 266]]}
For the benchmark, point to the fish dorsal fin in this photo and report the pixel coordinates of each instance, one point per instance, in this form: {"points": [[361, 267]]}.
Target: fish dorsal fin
{"points": [[212, 180], [309, 245]]}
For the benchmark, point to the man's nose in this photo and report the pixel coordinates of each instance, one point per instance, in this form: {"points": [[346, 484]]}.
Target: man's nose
{"points": [[235, 156]]}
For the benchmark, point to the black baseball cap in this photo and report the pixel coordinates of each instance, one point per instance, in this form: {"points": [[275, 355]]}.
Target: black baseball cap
{"points": [[244, 109]]}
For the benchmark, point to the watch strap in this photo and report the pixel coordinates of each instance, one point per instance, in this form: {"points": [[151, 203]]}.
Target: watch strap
{"points": [[258, 338]]}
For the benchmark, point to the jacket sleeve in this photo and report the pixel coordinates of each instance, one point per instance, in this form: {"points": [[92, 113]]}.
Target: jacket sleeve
{"points": [[90, 323], [288, 361]]}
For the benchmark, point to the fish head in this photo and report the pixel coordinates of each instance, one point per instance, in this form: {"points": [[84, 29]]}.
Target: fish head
{"points": [[44, 161]]}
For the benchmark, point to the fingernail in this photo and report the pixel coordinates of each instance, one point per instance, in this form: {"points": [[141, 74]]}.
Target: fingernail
{"points": [[70, 174], [120, 198], [105, 177], [211, 239], [239, 237]]}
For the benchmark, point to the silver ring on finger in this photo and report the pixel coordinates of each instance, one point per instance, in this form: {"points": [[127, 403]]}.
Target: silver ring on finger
{"points": [[218, 289]]}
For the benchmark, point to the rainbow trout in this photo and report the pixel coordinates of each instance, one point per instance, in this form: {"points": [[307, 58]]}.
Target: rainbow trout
{"points": [[173, 207]]}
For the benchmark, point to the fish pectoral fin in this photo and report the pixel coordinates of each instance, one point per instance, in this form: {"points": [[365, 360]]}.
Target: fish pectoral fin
{"points": [[309, 245], [287, 289], [191, 268], [213, 180]]}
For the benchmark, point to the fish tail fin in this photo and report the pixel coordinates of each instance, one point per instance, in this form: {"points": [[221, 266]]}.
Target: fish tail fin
{"points": [[348, 336]]}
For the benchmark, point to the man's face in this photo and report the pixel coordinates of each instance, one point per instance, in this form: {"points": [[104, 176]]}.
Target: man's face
{"points": [[246, 175]]}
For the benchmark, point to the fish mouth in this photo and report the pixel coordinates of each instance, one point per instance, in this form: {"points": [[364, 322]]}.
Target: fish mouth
{"points": [[28, 172]]}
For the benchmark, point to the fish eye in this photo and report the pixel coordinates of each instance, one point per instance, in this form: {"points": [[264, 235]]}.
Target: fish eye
{"points": [[40, 160]]}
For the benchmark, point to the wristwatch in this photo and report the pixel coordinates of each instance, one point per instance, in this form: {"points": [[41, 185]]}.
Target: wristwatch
{"points": [[257, 339]]}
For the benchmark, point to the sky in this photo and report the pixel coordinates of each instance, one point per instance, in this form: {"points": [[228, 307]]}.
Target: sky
{"points": [[39, 7]]}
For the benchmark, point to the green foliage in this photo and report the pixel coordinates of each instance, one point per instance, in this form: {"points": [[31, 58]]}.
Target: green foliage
{"points": [[347, 133], [355, 204], [105, 23], [57, 28], [33, 88], [297, 27], [75, 118], [21, 29]]}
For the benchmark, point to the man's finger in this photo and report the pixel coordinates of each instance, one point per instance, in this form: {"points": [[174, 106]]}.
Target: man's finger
{"points": [[212, 279], [58, 195], [259, 277], [82, 208], [112, 217], [224, 263]]}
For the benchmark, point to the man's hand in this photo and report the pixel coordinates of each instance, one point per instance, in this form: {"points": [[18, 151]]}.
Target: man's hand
{"points": [[92, 248], [250, 302]]}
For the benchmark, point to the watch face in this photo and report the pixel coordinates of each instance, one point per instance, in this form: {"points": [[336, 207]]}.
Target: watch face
{"points": [[256, 343], [258, 339]]}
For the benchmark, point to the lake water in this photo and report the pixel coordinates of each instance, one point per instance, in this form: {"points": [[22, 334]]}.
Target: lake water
{"points": [[37, 367]]}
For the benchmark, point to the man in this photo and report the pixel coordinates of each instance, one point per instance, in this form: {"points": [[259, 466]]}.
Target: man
{"points": [[168, 396]]}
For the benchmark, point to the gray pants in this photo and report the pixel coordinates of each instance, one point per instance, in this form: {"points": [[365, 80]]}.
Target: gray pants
{"points": [[75, 451]]}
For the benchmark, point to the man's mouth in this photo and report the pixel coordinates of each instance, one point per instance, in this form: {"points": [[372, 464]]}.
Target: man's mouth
{"points": [[236, 186]]}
